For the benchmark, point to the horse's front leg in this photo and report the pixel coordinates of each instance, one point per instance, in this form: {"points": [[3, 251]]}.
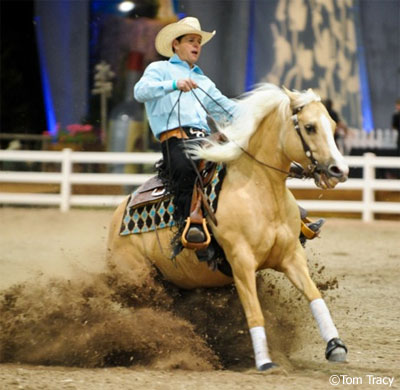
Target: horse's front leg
{"points": [[295, 268], [244, 275]]}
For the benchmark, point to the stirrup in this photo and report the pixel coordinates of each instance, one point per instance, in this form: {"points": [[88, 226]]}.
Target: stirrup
{"points": [[306, 231], [195, 245]]}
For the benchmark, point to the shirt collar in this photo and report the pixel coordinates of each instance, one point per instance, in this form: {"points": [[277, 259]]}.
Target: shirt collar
{"points": [[176, 60]]}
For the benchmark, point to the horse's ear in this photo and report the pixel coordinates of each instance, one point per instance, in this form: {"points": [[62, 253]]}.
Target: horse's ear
{"points": [[288, 92], [212, 124]]}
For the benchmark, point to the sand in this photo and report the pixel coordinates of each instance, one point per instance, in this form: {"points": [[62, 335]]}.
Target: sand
{"points": [[66, 322]]}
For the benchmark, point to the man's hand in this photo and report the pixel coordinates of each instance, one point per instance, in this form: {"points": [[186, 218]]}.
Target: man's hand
{"points": [[186, 85]]}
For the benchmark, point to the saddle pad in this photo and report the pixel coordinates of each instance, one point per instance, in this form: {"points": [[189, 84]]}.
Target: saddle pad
{"points": [[159, 215]]}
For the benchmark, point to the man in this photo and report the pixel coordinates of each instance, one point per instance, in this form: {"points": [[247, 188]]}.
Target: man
{"points": [[176, 93]]}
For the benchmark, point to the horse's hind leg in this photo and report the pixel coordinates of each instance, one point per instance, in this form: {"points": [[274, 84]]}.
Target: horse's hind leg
{"points": [[122, 255], [297, 271]]}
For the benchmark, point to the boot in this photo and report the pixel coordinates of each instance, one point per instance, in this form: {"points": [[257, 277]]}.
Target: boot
{"points": [[195, 234], [316, 226], [310, 230]]}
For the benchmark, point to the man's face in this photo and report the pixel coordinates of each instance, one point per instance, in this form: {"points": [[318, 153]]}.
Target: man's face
{"points": [[188, 48]]}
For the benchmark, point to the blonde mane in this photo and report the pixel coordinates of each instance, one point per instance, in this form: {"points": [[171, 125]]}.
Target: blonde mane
{"points": [[252, 109]]}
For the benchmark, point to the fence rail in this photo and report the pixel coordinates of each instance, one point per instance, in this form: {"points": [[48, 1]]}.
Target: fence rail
{"points": [[368, 184]]}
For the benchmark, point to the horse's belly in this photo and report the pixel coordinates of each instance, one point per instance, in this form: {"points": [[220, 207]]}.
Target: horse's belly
{"points": [[187, 272]]}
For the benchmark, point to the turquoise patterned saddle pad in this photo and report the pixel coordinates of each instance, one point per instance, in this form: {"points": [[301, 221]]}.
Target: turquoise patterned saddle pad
{"points": [[158, 213]]}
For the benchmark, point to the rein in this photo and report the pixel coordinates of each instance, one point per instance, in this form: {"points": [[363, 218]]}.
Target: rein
{"points": [[288, 173], [307, 150]]}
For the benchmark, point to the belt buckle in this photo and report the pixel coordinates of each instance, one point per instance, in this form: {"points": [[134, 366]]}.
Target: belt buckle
{"points": [[198, 133]]}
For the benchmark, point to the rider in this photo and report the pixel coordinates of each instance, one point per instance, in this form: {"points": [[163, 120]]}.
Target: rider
{"points": [[177, 94]]}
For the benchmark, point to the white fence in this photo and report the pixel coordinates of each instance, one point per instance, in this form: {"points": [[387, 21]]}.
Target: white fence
{"points": [[375, 139], [66, 178]]}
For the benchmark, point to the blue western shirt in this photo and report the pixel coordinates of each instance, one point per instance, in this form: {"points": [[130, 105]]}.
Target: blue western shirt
{"points": [[155, 89]]}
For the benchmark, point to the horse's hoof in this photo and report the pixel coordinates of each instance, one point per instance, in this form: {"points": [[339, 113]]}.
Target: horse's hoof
{"points": [[339, 355], [267, 366], [336, 351], [270, 369]]}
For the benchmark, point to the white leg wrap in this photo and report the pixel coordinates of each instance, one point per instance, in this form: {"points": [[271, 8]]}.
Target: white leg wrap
{"points": [[259, 339], [322, 316]]}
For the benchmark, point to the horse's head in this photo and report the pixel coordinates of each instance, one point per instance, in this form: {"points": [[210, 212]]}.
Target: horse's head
{"points": [[308, 140]]}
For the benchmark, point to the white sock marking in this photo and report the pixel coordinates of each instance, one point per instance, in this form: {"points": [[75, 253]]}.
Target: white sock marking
{"points": [[259, 339], [322, 316]]}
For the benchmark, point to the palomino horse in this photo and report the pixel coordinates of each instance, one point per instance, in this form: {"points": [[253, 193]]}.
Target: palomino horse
{"points": [[258, 218]]}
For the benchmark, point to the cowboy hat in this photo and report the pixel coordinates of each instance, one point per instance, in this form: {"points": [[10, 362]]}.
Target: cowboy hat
{"points": [[172, 31]]}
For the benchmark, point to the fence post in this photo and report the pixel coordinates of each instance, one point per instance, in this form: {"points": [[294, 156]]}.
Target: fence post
{"points": [[65, 190], [368, 192]]}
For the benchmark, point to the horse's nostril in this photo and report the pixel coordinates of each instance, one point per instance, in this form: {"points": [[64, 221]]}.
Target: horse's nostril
{"points": [[335, 171]]}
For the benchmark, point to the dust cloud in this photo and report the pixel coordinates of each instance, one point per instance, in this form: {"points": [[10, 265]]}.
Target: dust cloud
{"points": [[106, 320], [61, 305], [97, 323]]}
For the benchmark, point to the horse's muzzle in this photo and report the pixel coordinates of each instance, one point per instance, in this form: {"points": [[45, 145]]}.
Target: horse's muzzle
{"points": [[334, 171], [329, 176]]}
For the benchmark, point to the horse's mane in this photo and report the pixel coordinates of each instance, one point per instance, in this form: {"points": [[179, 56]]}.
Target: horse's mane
{"points": [[252, 108]]}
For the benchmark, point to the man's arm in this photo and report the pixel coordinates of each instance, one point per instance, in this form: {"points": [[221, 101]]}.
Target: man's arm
{"points": [[152, 84], [219, 105]]}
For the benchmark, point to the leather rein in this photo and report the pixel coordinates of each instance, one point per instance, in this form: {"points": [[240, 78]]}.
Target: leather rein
{"points": [[313, 167], [307, 150]]}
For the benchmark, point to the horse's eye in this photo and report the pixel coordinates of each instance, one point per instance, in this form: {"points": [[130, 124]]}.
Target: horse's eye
{"points": [[310, 129]]}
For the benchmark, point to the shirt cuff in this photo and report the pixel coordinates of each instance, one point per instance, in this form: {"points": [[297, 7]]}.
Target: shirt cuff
{"points": [[168, 85]]}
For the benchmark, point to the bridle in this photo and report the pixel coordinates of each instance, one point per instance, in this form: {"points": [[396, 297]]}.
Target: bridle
{"points": [[314, 167]]}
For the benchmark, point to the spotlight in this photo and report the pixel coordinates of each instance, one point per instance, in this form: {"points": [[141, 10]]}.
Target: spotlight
{"points": [[126, 6]]}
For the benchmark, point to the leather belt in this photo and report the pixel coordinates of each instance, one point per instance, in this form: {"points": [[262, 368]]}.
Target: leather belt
{"points": [[177, 133]]}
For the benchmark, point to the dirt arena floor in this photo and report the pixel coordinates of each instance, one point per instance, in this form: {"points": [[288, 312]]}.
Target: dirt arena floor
{"points": [[66, 322]]}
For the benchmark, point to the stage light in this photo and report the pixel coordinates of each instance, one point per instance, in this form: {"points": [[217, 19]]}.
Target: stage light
{"points": [[126, 6]]}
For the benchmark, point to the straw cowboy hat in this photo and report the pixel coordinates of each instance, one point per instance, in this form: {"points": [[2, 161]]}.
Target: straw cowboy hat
{"points": [[172, 31]]}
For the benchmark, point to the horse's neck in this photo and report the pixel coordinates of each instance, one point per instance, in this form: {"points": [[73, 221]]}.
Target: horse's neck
{"points": [[261, 182], [265, 146]]}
